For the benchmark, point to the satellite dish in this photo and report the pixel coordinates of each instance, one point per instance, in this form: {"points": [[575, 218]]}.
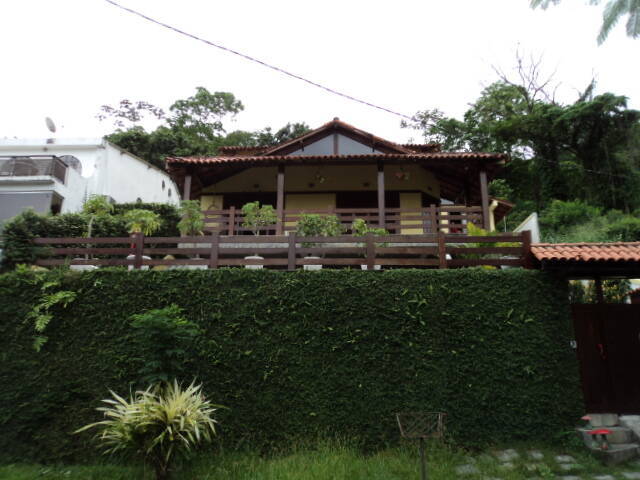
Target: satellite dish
{"points": [[50, 125]]}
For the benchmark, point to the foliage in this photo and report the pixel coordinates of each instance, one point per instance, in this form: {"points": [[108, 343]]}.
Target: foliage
{"points": [[142, 221], [157, 424], [613, 11], [163, 338], [360, 228], [581, 151], [257, 217], [168, 213], [339, 459], [192, 221], [559, 215], [42, 312], [194, 126], [314, 225], [96, 206], [298, 353], [613, 291], [625, 229], [21, 230]]}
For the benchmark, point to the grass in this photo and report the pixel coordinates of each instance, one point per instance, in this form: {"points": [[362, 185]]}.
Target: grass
{"points": [[338, 461]]}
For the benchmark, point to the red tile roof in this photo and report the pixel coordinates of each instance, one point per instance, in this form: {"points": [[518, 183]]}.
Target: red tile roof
{"points": [[303, 158], [588, 252]]}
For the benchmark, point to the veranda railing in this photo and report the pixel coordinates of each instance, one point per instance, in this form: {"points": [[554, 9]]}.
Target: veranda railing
{"points": [[289, 251]]}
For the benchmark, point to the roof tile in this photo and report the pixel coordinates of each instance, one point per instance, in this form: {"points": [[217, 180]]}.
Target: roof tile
{"points": [[588, 252]]}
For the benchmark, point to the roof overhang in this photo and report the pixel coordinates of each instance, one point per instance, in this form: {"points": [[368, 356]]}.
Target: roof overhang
{"points": [[590, 260]]}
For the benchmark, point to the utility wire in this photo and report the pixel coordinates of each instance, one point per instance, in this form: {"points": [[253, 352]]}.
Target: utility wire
{"points": [[255, 60]]}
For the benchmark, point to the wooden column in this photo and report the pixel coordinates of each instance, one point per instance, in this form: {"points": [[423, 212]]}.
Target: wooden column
{"points": [[381, 206], [484, 193], [599, 291], [280, 201], [186, 194]]}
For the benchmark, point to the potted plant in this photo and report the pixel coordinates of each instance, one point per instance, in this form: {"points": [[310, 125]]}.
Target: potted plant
{"points": [[313, 225], [191, 224], [141, 221], [359, 228], [257, 217], [96, 206]]}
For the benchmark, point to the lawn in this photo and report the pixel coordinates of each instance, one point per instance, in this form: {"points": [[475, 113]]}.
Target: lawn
{"points": [[339, 461]]}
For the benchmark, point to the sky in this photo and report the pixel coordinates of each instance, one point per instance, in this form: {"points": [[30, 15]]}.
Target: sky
{"points": [[65, 58]]}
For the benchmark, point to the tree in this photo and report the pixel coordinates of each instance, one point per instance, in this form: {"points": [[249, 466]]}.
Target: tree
{"points": [[194, 126], [613, 11]]}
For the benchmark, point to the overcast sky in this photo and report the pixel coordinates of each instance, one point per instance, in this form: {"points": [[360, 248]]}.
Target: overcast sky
{"points": [[66, 58]]}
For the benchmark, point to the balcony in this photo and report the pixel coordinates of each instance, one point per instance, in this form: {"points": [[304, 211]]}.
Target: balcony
{"points": [[450, 219], [33, 166]]}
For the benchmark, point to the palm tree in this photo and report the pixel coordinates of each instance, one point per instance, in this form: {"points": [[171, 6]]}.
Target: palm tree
{"points": [[613, 11]]}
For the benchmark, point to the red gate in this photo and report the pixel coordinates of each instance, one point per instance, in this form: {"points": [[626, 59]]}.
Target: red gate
{"points": [[608, 338]]}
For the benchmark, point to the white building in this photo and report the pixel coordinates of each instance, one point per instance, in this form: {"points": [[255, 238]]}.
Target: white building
{"points": [[57, 175]]}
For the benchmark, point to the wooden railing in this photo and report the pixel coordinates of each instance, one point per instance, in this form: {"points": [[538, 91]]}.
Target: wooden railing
{"points": [[292, 251], [433, 219]]}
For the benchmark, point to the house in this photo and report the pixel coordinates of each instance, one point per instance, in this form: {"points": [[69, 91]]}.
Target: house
{"points": [[343, 170], [54, 175]]}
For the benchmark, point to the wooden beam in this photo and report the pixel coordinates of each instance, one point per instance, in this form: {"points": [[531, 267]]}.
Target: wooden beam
{"points": [[484, 194], [280, 200], [381, 205], [186, 194]]}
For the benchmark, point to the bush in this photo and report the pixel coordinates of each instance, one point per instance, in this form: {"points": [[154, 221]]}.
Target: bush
{"points": [[626, 229], [21, 230], [297, 353], [157, 425], [169, 215], [559, 215]]}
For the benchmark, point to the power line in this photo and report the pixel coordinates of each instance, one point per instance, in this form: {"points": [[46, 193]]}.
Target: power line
{"points": [[255, 60]]}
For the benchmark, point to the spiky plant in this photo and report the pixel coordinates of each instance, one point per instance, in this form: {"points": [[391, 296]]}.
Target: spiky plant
{"points": [[158, 424]]}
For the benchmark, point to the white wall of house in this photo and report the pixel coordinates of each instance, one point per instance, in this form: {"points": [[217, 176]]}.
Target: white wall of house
{"points": [[106, 170]]}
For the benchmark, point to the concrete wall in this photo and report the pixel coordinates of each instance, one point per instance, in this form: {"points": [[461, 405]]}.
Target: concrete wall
{"points": [[106, 170]]}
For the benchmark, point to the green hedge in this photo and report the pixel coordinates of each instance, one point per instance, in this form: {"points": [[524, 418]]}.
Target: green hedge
{"points": [[19, 232], [293, 354]]}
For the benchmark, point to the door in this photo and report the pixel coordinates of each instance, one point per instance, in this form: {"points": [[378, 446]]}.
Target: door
{"points": [[608, 338]]}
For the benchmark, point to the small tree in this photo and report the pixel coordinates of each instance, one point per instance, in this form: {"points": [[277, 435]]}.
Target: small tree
{"points": [[258, 217], [192, 221], [313, 225], [96, 206], [163, 338], [142, 221]]}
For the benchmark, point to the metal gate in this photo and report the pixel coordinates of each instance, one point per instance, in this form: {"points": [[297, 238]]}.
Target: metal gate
{"points": [[608, 338]]}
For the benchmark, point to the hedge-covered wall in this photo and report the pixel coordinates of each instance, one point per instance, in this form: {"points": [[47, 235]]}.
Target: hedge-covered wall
{"points": [[295, 353]]}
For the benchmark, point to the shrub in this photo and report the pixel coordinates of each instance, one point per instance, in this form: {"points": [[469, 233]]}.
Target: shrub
{"points": [[626, 229], [192, 218], [157, 425], [19, 231], [560, 215], [142, 221], [258, 217], [163, 339]]}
